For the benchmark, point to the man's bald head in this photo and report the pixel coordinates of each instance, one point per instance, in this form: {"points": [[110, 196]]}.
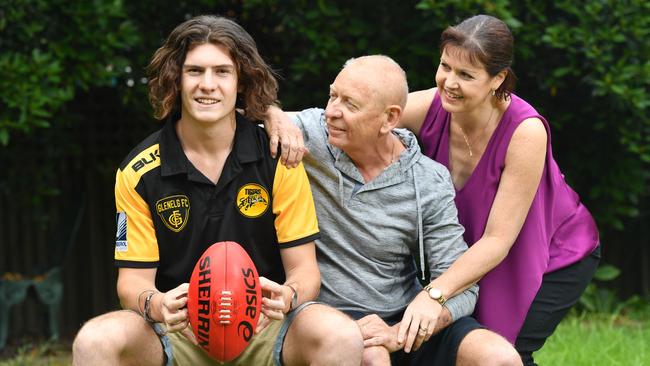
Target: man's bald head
{"points": [[384, 76]]}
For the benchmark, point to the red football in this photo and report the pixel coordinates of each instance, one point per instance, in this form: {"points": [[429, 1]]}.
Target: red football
{"points": [[224, 300]]}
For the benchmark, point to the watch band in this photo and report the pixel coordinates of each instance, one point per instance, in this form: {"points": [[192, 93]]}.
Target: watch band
{"points": [[439, 297]]}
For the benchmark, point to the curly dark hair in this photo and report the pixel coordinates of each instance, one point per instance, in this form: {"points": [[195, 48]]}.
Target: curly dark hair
{"points": [[258, 87], [486, 41]]}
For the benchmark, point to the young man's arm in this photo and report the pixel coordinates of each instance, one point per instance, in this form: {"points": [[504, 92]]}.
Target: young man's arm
{"points": [[296, 228], [135, 285], [302, 276], [302, 273]]}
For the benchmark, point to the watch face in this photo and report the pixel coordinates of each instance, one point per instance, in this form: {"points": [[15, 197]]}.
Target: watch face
{"points": [[435, 293]]}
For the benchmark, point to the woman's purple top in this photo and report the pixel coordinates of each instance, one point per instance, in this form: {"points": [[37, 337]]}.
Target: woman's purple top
{"points": [[558, 230]]}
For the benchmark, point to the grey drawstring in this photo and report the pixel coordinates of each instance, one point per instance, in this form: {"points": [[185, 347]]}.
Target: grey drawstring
{"points": [[419, 210], [341, 195]]}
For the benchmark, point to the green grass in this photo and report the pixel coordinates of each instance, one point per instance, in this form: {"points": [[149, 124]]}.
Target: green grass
{"points": [[595, 340], [48, 353]]}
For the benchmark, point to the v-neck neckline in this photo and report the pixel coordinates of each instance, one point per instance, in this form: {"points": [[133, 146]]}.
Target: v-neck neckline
{"points": [[488, 147]]}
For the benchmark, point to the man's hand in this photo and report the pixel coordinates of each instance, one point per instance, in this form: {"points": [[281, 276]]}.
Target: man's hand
{"points": [[274, 304], [376, 332], [173, 308], [283, 132], [418, 322]]}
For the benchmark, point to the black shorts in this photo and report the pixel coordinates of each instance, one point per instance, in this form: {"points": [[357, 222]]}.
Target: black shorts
{"points": [[440, 350], [560, 290]]}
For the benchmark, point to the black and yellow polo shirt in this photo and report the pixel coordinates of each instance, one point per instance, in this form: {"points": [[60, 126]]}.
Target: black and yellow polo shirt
{"points": [[168, 213]]}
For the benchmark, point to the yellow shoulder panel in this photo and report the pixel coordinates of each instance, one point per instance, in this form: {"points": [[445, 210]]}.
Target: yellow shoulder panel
{"points": [[138, 242], [143, 162], [293, 204]]}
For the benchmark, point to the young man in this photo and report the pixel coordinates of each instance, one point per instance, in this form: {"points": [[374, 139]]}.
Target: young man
{"points": [[381, 204], [207, 176]]}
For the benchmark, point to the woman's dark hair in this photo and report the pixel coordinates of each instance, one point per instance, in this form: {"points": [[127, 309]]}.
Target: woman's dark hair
{"points": [[488, 42], [256, 81]]}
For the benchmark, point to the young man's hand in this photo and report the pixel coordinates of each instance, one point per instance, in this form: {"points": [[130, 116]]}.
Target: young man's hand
{"points": [[173, 307], [275, 302]]}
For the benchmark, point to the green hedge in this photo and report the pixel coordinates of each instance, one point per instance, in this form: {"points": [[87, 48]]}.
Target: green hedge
{"points": [[584, 65]]}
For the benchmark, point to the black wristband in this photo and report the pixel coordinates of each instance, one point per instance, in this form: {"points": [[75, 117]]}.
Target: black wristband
{"points": [[294, 298]]}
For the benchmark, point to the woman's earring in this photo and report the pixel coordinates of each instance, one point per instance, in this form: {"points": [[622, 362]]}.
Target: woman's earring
{"points": [[494, 93]]}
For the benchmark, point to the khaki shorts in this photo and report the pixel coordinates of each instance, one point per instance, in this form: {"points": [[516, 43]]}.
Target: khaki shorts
{"points": [[265, 348], [258, 352]]}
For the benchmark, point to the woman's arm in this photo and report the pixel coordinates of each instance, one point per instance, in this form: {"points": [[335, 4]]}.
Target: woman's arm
{"points": [[520, 179], [417, 105]]}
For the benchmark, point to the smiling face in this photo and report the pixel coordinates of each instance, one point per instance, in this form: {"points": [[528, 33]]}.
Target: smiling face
{"points": [[208, 85], [463, 85], [354, 118]]}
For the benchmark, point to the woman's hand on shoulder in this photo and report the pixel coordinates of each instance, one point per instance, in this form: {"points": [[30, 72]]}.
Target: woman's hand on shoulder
{"points": [[417, 106]]}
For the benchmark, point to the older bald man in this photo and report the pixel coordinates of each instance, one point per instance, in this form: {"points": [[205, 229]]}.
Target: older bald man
{"points": [[382, 206]]}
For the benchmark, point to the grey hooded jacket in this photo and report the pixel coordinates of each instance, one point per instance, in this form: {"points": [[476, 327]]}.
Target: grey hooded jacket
{"points": [[371, 234]]}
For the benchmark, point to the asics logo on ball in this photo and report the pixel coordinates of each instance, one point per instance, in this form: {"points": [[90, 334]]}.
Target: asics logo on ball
{"points": [[245, 328]]}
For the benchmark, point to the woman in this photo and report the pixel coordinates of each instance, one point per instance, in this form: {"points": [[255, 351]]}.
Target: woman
{"points": [[534, 246]]}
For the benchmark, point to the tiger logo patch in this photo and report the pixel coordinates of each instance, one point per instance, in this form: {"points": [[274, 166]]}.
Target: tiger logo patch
{"points": [[252, 200]]}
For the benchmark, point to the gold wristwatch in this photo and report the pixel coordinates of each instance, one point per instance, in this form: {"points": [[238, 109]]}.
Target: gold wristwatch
{"points": [[435, 294]]}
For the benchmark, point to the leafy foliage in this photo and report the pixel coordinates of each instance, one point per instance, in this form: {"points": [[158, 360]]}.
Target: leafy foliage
{"points": [[584, 65], [587, 72], [56, 48], [593, 81], [597, 299]]}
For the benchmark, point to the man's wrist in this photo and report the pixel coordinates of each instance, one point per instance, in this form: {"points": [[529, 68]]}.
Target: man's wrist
{"points": [[293, 299], [273, 110], [147, 304], [444, 320], [435, 294], [393, 345], [155, 311]]}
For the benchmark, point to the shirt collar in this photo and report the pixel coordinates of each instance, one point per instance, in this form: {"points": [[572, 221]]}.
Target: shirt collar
{"points": [[246, 148]]}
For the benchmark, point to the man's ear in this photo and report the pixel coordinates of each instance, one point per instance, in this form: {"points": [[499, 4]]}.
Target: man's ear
{"points": [[393, 114]]}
